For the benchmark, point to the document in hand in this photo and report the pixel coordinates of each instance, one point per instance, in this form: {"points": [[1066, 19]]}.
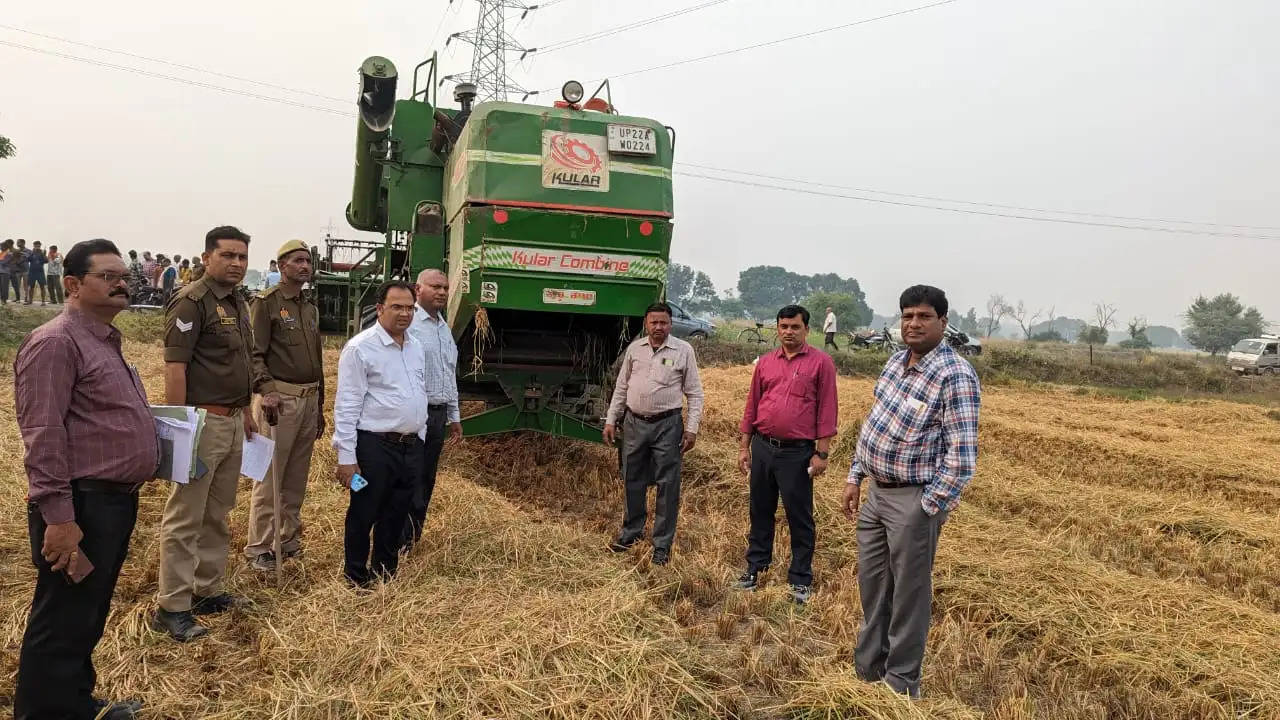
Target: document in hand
{"points": [[256, 456], [178, 430]]}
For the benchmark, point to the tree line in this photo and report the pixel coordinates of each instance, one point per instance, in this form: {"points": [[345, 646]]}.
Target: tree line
{"points": [[762, 289], [1214, 324]]}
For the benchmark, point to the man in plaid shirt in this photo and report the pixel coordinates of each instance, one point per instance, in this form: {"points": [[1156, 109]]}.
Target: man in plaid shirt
{"points": [[917, 452]]}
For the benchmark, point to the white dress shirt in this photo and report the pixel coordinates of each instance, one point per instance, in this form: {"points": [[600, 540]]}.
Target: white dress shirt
{"points": [[830, 324], [442, 360], [381, 386], [654, 380]]}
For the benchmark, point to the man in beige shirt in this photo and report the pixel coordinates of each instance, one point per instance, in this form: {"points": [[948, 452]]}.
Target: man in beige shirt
{"points": [[658, 372]]}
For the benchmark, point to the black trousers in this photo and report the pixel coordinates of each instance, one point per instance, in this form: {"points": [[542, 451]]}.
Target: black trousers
{"points": [[437, 416], [55, 666], [381, 508], [830, 341], [781, 471]]}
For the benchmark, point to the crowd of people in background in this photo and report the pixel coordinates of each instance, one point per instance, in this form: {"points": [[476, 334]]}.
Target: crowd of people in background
{"points": [[26, 272]]}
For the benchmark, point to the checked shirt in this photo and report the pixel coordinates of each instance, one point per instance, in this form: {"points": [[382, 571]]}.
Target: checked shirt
{"points": [[923, 428]]}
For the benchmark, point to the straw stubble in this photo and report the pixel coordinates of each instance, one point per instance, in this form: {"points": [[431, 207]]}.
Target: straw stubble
{"points": [[1113, 559]]}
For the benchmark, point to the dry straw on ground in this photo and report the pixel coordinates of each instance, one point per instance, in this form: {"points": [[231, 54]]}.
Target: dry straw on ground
{"points": [[1112, 560]]}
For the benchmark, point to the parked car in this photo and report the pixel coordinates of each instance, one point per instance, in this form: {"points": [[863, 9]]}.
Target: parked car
{"points": [[684, 325], [1255, 356]]}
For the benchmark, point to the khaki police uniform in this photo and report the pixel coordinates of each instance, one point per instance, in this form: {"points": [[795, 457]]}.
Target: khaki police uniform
{"points": [[206, 327], [286, 346]]}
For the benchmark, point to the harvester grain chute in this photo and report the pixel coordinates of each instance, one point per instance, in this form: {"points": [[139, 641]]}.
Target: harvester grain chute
{"points": [[553, 225]]}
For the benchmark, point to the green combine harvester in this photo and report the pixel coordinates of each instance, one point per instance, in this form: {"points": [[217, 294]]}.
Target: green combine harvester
{"points": [[553, 225]]}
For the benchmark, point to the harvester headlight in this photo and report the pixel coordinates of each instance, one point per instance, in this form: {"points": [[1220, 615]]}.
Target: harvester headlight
{"points": [[572, 92]]}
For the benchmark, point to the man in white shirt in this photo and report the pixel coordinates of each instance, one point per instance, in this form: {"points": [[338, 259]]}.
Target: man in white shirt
{"points": [[379, 422], [431, 328], [829, 327]]}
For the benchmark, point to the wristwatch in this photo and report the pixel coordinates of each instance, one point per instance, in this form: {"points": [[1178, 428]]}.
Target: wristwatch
{"points": [[821, 455]]}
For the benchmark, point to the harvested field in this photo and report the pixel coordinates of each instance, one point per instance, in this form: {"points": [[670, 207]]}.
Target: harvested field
{"points": [[1113, 559]]}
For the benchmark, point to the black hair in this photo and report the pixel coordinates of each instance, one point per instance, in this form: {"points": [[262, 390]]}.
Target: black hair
{"points": [[185, 263], [791, 311], [53, 247], [35, 243], [223, 232], [390, 285], [7, 244], [80, 257], [658, 307], [924, 295], [133, 254]]}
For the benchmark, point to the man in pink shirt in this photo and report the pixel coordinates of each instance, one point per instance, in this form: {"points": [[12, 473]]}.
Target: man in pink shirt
{"points": [[787, 428]]}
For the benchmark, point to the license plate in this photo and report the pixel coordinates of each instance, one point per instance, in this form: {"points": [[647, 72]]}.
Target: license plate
{"points": [[558, 296], [632, 140]]}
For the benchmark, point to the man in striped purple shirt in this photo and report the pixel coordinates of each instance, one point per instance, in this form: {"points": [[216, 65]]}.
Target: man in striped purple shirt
{"points": [[917, 451], [91, 444]]}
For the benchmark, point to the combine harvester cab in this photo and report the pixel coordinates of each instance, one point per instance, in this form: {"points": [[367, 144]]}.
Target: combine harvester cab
{"points": [[554, 227]]}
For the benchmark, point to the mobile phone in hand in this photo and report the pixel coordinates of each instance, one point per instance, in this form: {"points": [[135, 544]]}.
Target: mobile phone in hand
{"points": [[358, 483], [78, 570]]}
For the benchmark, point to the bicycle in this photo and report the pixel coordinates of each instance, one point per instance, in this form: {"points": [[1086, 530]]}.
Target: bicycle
{"points": [[759, 334]]}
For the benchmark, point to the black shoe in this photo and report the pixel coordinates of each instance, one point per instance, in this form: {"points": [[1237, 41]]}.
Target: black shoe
{"points": [[661, 556], [800, 594], [215, 604], [264, 562], [291, 554], [619, 546], [180, 626], [748, 580], [123, 710]]}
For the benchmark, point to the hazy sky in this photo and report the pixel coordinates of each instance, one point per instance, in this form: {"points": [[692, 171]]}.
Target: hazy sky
{"points": [[1160, 110]]}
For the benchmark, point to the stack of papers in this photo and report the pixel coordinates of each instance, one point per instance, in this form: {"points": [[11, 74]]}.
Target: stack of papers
{"points": [[178, 429]]}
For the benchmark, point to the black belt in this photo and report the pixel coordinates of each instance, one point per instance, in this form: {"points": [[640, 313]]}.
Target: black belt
{"points": [[107, 486], [894, 485], [399, 438], [437, 408], [784, 442], [656, 417]]}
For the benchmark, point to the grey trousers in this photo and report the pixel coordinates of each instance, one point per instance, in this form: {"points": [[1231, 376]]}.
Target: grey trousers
{"points": [[651, 456], [897, 541]]}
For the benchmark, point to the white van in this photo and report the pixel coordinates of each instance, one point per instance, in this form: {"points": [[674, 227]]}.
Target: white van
{"points": [[1256, 356]]}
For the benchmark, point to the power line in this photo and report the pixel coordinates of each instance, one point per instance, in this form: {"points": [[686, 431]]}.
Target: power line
{"points": [[174, 78], [292, 103], [900, 203], [768, 43], [980, 204], [590, 37], [171, 63], [444, 14]]}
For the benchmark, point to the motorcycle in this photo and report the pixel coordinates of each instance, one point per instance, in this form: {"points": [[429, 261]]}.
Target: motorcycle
{"points": [[873, 340]]}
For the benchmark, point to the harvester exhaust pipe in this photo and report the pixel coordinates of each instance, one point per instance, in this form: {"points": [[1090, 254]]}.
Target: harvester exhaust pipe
{"points": [[448, 129], [465, 95], [377, 105]]}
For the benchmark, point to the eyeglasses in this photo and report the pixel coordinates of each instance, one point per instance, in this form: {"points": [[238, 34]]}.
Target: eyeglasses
{"points": [[110, 278]]}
